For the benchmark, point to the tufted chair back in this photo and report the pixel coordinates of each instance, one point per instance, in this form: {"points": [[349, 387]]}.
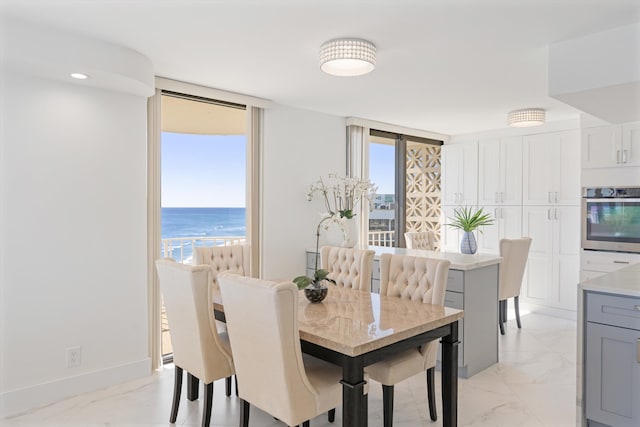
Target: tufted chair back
{"points": [[262, 318], [197, 346], [418, 279], [514, 253], [420, 240], [349, 267], [223, 258]]}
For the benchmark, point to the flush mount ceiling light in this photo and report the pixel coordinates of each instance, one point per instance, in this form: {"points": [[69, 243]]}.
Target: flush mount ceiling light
{"points": [[526, 117], [347, 57], [79, 76]]}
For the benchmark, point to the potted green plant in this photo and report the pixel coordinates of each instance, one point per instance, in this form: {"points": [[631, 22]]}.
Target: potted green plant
{"points": [[315, 288], [467, 219]]}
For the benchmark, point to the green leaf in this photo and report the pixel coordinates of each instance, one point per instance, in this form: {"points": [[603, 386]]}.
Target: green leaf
{"points": [[321, 275], [302, 281], [464, 218]]}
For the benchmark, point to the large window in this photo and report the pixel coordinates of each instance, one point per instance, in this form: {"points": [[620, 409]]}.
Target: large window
{"points": [[406, 170], [203, 179]]}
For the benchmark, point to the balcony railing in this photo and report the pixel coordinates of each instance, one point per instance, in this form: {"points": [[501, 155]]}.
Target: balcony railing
{"points": [[382, 238], [181, 248]]}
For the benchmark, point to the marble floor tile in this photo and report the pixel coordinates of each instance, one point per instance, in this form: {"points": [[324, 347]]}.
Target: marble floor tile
{"points": [[533, 385]]}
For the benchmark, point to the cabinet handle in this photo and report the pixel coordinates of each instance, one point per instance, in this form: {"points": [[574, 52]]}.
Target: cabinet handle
{"points": [[622, 262], [555, 197], [549, 214], [618, 156], [555, 214], [636, 307], [624, 156], [495, 213], [502, 197], [549, 196]]}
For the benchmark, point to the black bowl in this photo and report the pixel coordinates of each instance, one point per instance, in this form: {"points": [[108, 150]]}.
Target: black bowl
{"points": [[314, 294]]}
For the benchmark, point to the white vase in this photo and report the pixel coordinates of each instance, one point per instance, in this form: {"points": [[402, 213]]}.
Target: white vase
{"points": [[342, 233]]}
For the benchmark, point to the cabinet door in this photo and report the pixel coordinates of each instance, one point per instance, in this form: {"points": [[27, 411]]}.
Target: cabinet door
{"points": [[566, 186], [511, 171], [508, 224], [612, 375], [489, 179], [469, 175], [631, 144], [566, 255], [600, 147], [451, 163], [538, 287], [540, 164], [449, 236], [500, 171]]}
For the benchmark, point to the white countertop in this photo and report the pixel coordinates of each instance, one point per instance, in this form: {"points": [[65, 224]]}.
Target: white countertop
{"points": [[625, 281], [458, 261]]}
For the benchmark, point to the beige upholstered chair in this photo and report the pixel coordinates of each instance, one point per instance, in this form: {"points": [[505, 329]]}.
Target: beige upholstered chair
{"points": [[349, 267], [420, 240], [514, 253], [198, 348], [262, 319], [223, 258], [419, 279]]}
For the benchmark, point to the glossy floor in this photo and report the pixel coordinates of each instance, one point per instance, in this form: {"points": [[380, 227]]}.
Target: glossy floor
{"points": [[533, 385]]}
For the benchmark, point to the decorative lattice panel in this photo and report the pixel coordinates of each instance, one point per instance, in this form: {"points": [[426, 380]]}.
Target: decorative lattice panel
{"points": [[423, 189]]}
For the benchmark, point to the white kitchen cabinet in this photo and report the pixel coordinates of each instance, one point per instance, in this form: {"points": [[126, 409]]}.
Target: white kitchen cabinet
{"points": [[611, 146], [507, 224], [459, 174], [553, 267], [449, 236], [500, 171], [551, 169], [596, 263]]}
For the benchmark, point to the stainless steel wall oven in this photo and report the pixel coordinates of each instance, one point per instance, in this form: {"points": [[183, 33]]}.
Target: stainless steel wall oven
{"points": [[611, 219]]}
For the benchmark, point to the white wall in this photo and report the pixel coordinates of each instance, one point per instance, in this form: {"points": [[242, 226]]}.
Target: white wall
{"points": [[299, 147], [74, 239]]}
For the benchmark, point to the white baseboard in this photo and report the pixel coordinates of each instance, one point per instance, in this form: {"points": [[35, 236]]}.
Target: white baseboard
{"points": [[549, 311], [18, 401]]}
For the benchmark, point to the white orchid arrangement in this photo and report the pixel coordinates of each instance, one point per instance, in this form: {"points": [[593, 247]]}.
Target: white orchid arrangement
{"points": [[341, 195]]}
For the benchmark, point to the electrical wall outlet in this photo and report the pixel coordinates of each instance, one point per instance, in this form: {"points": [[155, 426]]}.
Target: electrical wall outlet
{"points": [[74, 357]]}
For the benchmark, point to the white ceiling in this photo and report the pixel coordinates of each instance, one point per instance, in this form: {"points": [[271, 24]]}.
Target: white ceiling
{"points": [[447, 66]]}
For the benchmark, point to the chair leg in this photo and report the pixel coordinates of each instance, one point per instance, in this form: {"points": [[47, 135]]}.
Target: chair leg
{"points": [[431, 393], [227, 384], [235, 380], [505, 304], [208, 404], [177, 390], [305, 424], [244, 413], [516, 305], [387, 405], [501, 316], [192, 387], [332, 415]]}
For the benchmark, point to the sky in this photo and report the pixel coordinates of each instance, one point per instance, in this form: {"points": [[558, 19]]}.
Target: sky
{"points": [[203, 170], [210, 170]]}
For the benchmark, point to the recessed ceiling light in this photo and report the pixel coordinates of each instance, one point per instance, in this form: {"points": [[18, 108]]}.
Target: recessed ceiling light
{"points": [[526, 117], [79, 76], [347, 57]]}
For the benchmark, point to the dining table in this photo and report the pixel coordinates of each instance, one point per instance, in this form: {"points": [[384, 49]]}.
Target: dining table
{"points": [[353, 329]]}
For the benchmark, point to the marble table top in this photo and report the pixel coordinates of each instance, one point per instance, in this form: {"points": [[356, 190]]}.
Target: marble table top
{"points": [[354, 322]]}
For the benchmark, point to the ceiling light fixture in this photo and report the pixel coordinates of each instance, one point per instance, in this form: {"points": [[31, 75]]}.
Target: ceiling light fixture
{"points": [[79, 76], [526, 117], [347, 57]]}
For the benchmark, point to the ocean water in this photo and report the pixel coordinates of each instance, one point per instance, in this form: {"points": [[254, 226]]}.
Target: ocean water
{"points": [[201, 222]]}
